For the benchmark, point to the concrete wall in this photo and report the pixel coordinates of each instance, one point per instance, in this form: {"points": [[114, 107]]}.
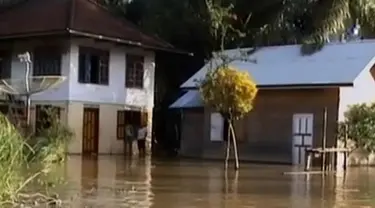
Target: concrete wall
{"points": [[363, 91], [72, 90], [74, 95], [18, 70], [115, 93], [108, 143]]}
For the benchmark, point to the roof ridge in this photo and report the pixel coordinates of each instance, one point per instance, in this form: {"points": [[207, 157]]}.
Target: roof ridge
{"points": [[124, 21], [363, 41]]}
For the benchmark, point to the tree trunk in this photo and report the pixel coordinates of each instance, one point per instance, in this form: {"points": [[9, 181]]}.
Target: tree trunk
{"points": [[227, 153], [237, 164]]}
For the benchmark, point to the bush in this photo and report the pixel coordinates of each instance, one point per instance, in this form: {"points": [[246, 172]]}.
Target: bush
{"points": [[49, 144], [12, 159], [20, 164], [360, 120]]}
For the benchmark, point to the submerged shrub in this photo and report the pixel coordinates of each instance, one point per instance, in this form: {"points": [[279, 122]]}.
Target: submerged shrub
{"points": [[12, 159], [360, 120], [49, 143], [20, 165]]}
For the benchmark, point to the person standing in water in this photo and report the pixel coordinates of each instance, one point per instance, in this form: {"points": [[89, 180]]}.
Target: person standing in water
{"points": [[129, 137], [142, 134]]}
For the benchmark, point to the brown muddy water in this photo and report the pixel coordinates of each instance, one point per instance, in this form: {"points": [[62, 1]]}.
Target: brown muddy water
{"points": [[112, 181]]}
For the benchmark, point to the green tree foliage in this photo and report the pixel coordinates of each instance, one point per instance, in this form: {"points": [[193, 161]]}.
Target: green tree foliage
{"points": [[324, 19], [360, 122]]}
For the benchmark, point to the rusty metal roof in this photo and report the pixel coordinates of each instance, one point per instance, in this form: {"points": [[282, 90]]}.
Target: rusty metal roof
{"points": [[76, 17]]}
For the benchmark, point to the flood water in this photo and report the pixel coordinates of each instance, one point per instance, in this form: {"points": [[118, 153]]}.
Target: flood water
{"points": [[112, 181]]}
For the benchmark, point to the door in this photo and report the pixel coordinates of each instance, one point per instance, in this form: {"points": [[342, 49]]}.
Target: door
{"points": [[302, 137], [90, 133], [217, 127]]}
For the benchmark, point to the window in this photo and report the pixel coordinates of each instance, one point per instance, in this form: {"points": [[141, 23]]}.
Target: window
{"points": [[134, 71], [47, 61], [93, 66], [43, 116], [5, 64]]}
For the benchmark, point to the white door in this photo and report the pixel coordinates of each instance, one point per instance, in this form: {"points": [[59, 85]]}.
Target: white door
{"points": [[302, 137], [217, 127]]}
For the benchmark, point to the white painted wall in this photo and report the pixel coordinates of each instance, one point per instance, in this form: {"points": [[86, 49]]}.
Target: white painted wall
{"points": [[18, 71], [114, 93], [363, 91]]}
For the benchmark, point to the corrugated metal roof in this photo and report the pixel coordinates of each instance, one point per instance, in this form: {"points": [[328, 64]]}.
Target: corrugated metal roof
{"points": [[336, 64], [190, 99]]}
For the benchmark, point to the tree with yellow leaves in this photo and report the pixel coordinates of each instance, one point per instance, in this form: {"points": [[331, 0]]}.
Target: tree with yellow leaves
{"points": [[225, 89], [231, 93]]}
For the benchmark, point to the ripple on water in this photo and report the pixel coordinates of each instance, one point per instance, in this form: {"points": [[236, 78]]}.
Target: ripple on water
{"points": [[116, 182]]}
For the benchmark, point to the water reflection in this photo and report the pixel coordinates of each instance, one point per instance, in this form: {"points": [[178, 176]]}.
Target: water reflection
{"points": [[113, 181]]}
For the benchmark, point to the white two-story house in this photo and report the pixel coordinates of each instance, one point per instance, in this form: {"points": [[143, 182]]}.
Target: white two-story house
{"points": [[108, 64]]}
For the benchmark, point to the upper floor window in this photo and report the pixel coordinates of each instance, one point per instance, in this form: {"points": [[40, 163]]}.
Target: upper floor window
{"points": [[134, 71], [5, 64], [47, 61], [93, 66]]}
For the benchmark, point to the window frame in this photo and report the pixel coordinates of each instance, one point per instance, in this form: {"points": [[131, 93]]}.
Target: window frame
{"points": [[103, 65], [120, 125], [134, 68], [42, 57]]}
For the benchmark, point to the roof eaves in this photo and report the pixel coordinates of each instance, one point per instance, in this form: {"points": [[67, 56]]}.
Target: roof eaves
{"points": [[33, 34], [127, 42], [293, 86]]}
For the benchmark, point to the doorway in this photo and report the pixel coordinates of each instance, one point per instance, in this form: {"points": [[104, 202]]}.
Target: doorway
{"points": [[90, 131], [302, 137]]}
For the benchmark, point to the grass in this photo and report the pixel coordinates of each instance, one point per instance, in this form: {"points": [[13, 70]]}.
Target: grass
{"points": [[24, 161]]}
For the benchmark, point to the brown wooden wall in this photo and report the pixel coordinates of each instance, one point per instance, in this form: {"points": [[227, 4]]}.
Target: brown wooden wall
{"points": [[266, 133]]}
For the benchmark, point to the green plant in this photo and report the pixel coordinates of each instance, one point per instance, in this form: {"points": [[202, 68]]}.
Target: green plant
{"points": [[49, 142], [16, 172], [11, 159], [360, 122]]}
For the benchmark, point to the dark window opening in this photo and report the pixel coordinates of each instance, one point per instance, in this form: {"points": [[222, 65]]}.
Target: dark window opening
{"points": [[5, 64], [47, 61], [44, 115], [134, 71], [93, 66]]}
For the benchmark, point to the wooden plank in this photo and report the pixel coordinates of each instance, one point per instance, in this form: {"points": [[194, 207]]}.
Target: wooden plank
{"points": [[304, 172], [321, 150]]}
